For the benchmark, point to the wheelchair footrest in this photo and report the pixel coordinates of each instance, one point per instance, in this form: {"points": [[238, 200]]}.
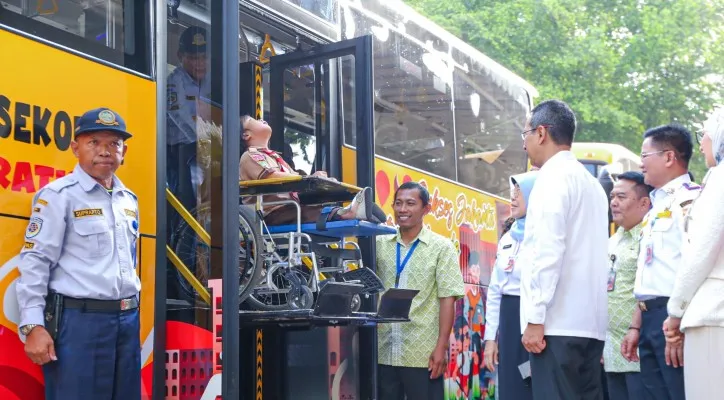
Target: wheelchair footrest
{"points": [[344, 254], [371, 282]]}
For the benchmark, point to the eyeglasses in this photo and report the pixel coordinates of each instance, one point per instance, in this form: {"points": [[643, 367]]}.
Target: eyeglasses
{"points": [[651, 153], [525, 133], [699, 137]]}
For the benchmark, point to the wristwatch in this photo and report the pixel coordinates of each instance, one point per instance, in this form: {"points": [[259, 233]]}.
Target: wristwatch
{"points": [[25, 329]]}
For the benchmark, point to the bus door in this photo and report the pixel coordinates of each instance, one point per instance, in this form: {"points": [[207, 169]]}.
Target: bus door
{"points": [[316, 97]]}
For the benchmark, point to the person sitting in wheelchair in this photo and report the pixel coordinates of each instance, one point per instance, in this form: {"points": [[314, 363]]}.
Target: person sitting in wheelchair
{"points": [[259, 162]]}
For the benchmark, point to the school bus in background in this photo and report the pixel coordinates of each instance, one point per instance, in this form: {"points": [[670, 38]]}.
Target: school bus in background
{"points": [[444, 114], [615, 158]]}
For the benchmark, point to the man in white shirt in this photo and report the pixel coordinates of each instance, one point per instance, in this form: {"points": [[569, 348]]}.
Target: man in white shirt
{"points": [[665, 155], [564, 307]]}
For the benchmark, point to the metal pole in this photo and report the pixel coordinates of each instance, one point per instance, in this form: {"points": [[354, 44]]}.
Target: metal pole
{"points": [[159, 318], [230, 208]]}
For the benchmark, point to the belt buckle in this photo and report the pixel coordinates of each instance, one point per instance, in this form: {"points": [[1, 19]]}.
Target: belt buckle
{"points": [[126, 304], [642, 306]]}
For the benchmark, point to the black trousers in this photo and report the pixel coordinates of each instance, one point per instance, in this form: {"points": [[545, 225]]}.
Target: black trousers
{"points": [[661, 381], [568, 369], [394, 383], [511, 385], [625, 386]]}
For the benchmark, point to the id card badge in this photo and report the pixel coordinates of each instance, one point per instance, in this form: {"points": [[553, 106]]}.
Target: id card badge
{"points": [[510, 266], [649, 253], [611, 279]]}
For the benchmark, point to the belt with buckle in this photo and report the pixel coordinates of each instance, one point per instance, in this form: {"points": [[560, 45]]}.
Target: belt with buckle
{"points": [[652, 304], [102, 305]]}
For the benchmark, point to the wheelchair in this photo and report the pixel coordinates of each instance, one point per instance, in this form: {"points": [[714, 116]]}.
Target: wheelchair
{"points": [[284, 267]]}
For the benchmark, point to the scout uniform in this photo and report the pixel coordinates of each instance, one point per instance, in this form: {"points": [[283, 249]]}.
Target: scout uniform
{"points": [[81, 244], [259, 163], [661, 241]]}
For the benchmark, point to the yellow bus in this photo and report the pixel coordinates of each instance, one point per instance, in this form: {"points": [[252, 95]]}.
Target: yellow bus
{"points": [[375, 94], [616, 158]]}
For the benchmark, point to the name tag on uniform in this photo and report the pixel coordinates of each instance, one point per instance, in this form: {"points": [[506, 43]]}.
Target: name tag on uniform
{"points": [[507, 246], [88, 212], [511, 265], [649, 254], [611, 279]]}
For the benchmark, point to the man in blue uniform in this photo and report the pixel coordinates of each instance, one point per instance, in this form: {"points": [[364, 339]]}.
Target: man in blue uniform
{"points": [[188, 90], [78, 287]]}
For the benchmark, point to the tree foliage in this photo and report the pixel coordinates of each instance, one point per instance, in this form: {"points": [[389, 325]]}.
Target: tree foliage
{"points": [[623, 65]]}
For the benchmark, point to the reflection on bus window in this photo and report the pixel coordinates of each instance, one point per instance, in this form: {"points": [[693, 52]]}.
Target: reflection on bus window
{"points": [[413, 97], [325, 9], [108, 30], [437, 107]]}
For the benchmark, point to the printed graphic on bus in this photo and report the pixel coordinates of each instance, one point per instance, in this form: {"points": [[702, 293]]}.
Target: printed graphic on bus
{"points": [[40, 99]]}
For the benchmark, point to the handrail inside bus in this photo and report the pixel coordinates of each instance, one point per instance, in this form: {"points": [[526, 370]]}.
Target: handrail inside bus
{"points": [[176, 204], [184, 270]]}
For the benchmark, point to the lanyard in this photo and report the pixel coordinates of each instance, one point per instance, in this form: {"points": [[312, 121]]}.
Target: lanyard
{"points": [[401, 266]]}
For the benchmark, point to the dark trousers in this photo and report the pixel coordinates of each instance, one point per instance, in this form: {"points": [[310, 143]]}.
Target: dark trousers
{"points": [[99, 357], [625, 386], [394, 383], [661, 381], [569, 368], [511, 385]]}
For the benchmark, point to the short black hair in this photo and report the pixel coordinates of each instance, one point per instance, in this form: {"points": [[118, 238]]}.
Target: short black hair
{"points": [[640, 186], [424, 193], [558, 117], [672, 137]]}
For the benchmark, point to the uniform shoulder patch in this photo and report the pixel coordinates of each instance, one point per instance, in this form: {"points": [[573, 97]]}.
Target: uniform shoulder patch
{"points": [[42, 202], [258, 157], [28, 245], [34, 227]]}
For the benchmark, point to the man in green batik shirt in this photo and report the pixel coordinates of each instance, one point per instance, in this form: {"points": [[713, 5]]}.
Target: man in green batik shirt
{"points": [[629, 204], [412, 355]]}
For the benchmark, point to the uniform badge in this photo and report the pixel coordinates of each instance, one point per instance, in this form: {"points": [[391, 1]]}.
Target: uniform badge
{"points": [[34, 227], [664, 214], [42, 202], [107, 117], [28, 245], [511, 265], [172, 98], [198, 40]]}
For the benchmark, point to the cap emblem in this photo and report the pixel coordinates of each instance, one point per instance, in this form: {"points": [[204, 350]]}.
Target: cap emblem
{"points": [[198, 40], [107, 117]]}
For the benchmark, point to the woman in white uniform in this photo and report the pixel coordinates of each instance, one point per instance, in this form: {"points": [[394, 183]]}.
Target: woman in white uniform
{"points": [[696, 305], [503, 347]]}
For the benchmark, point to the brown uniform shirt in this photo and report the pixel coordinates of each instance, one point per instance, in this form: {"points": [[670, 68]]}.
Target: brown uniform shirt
{"points": [[260, 163]]}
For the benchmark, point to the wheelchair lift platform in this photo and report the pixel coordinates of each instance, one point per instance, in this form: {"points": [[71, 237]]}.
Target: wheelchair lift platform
{"points": [[333, 307]]}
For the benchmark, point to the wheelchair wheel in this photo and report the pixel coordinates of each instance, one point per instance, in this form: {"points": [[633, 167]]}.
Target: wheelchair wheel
{"points": [[293, 281], [196, 254]]}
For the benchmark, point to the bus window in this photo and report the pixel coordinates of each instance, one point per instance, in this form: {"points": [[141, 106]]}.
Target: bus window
{"points": [[413, 110], [112, 31], [489, 118], [592, 168]]}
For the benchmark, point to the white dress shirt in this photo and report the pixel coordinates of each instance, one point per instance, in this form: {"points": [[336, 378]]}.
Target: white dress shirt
{"points": [[505, 281], [565, 267], [662, 238]]}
